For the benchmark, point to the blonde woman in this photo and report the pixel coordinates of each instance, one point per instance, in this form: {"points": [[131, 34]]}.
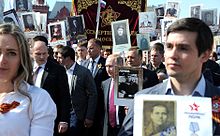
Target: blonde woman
{"points": [[25, 110]]}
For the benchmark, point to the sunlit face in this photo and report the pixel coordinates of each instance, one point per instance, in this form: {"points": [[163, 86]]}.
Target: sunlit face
{"points": [[159, 115], [81, 52], [109, 64], [9, 58], [133, 60], [155, 57], [181, 55], [40, 52], [93, 50], [120, 31]]}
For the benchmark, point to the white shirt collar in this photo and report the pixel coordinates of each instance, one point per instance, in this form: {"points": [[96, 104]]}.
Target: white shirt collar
{"points": [[200, 87], [96, 59]]}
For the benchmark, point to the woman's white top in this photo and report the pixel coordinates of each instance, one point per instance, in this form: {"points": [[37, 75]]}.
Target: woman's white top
{"points": [[36, 119]]}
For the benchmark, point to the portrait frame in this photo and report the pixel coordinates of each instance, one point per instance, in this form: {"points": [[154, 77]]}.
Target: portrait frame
{"points": [[180, 118], [58, 39], [140, 41], [150, 18], [172, 4], [165, 23], [80, 22], [209, 16], [124, 43], [32, 19], [195, 10], [21, 5], [128, 81], [13, 15], [160, 11]]}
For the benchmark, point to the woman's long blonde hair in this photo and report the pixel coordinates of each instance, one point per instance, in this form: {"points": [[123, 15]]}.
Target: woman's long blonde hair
{"points": [[25, 70]]}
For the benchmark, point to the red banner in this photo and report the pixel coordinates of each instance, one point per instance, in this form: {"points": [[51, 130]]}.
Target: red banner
{"points": [[114, 10]]}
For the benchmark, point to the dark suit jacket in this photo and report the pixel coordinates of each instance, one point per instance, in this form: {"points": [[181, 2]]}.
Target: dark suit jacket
{"points": [[100, 75], [121, 113], [84, 93], [55, 81], [127, 129], [149, 78]]}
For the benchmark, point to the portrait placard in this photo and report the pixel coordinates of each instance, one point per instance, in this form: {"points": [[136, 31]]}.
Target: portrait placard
{"points": [[28, 21], [21, 5], [147, 22], [143, 41], [10, 16], [120, 36], [166, 22], [57, 33], [172, 8], [128, 81], [173, 115], [195, 11], [76, 25], [160, 11], [209, 16]]}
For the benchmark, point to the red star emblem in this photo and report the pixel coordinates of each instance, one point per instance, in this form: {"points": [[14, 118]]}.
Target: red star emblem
{"points": [[194, 107]]}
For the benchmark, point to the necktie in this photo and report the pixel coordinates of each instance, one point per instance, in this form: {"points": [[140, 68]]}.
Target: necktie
{"points": [[35, 74], [112, 108], [92, 66]]}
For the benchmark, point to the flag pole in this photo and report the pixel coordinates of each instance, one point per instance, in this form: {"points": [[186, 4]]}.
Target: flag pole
{"points": [[97, 18]]}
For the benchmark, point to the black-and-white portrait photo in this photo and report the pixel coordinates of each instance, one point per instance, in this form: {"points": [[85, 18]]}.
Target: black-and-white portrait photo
{"points": [[76, 25], [120, 33], [195, 11], [208, 17], [21, 5], [159, 11], [172, 9]]}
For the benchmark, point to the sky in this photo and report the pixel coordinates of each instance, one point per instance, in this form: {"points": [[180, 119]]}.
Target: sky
{"points": [[184, 4]]}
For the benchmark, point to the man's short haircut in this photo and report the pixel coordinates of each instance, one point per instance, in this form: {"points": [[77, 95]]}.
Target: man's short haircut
{"points": [[82, 44], [41, 38], [204, 40], [117, 59], [137, 49], [67, 51], [97, 42], [158, 47], [120, 26]]}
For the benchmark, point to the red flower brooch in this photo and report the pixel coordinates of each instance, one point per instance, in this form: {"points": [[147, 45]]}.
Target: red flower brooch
{"points": [[5, 107]]}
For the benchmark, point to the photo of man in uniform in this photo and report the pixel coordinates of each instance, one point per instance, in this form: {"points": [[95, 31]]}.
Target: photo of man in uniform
{"points": [[172, 11], [207, 17], [76, 25], [120, 34], [21, 5], [195, 11]]}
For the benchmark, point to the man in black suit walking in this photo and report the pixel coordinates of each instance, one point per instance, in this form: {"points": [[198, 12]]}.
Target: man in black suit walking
{"points": [[83, 92], [96, 64], [52, 77]]}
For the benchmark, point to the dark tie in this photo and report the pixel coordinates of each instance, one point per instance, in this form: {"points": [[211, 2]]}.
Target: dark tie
{"points": [[92, 66], [169, 92], [197, 94], [35, 74], [112, 108]]}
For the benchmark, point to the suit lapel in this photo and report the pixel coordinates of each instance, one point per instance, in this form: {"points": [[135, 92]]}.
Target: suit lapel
{"points": [[45, 74], [74, 78]]}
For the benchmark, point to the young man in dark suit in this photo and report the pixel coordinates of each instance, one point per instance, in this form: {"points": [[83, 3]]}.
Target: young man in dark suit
{"points": [[96, 64], [188, 45], [52, 77], [83, 92]]}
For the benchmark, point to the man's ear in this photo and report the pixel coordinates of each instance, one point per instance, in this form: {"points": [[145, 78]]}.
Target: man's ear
{"points": [[205, 56]]}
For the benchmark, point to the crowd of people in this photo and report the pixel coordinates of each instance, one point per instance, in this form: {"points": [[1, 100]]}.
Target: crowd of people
{"points": [[70, 92]]}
